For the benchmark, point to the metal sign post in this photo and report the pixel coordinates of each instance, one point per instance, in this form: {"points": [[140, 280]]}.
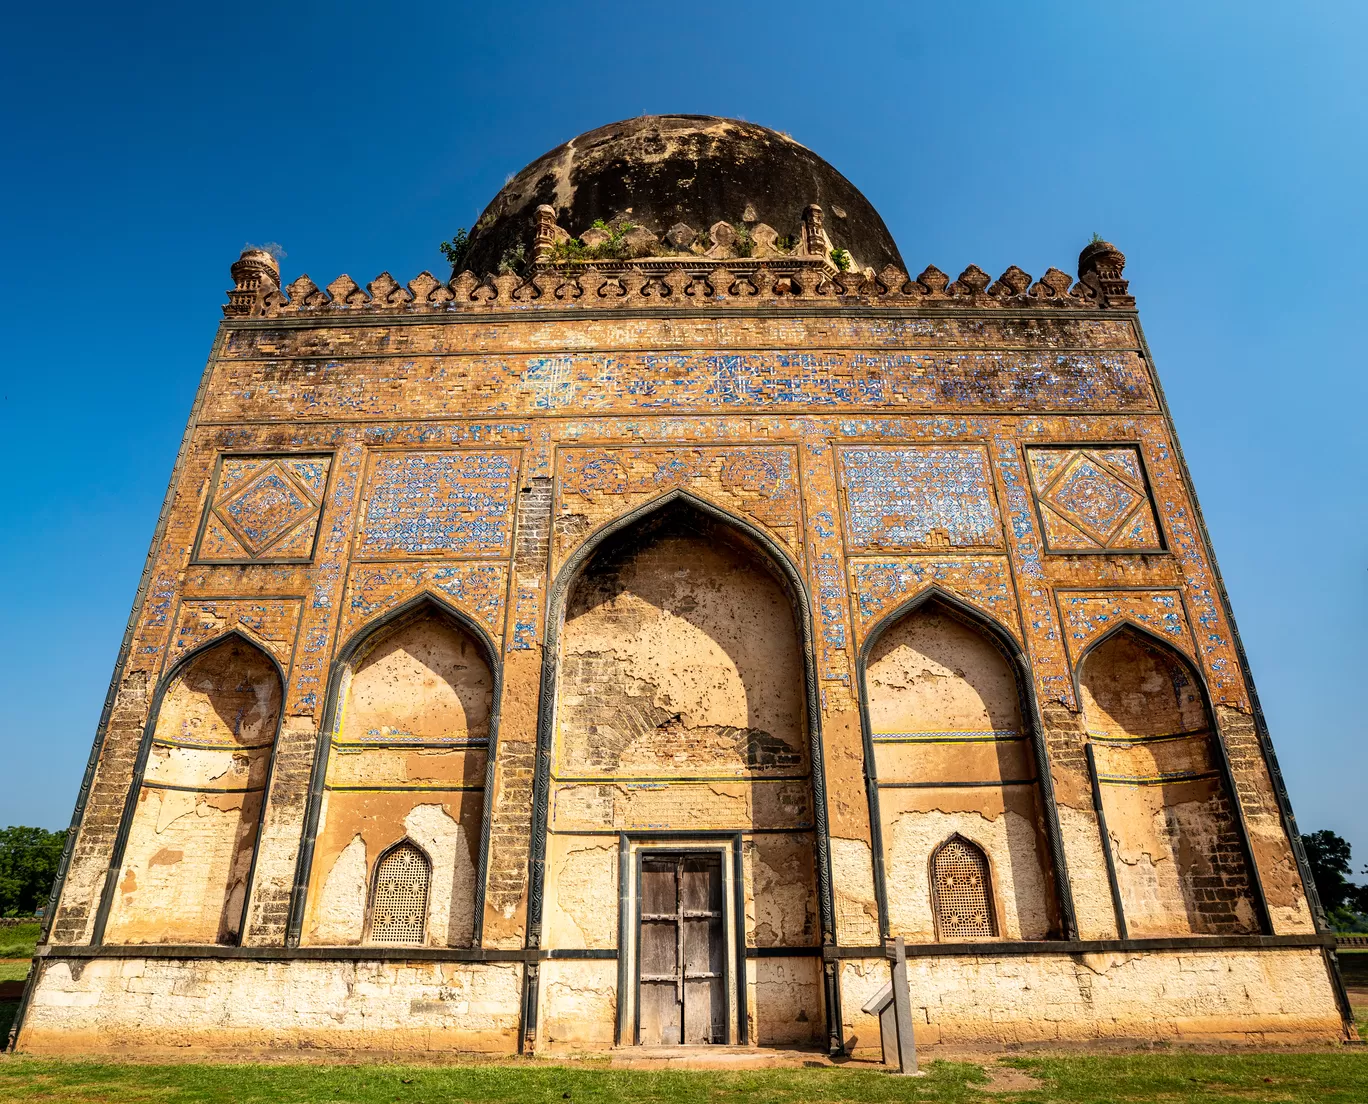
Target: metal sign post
{"points": [[893, 1005]]}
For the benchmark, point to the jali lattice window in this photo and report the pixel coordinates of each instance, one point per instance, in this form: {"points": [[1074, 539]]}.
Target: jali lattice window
{"points": [[961, 892], [399, 904]]}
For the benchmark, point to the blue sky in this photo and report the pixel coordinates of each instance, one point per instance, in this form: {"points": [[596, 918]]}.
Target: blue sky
{"points": [[1221, 146]]}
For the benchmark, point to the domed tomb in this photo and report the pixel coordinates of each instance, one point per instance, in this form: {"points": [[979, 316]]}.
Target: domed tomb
{"points": [[672, 179]]}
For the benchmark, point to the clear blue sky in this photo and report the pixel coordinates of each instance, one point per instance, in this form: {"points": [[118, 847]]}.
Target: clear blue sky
{"points": [[1221, 146]]}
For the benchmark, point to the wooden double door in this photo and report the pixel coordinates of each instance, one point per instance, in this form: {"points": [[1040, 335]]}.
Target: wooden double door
{"points": [[682, 959]]}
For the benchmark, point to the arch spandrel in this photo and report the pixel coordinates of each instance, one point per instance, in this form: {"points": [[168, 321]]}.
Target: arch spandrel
{"points": [[596, 486], [1090, 615], [884, 585], [268, 623], [376, 591]]}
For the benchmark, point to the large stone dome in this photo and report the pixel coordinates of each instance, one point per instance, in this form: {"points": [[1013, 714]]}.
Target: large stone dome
{"points": [[661, 171]]}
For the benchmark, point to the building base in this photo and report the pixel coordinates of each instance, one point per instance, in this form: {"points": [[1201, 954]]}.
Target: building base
{"points": [[1239, 996]]}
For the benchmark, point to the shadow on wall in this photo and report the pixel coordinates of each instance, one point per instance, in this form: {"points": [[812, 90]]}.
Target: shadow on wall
{"points": [[408, 762], [1180, 863], [682, 636], [954, 756], [682, 705], [184, 871]]}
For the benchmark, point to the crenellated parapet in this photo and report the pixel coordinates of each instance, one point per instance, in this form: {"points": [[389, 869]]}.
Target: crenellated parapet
{"points": [[712, 277]]}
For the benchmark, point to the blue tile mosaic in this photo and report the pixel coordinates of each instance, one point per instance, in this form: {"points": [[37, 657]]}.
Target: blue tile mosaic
{"points": [[919, 496], [422, 503]]}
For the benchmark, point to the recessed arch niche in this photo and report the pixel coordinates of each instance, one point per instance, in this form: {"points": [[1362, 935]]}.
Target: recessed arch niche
{"points": [[682, 716], [186, 863], [953, 757], [1175, 837], [412, 723]]}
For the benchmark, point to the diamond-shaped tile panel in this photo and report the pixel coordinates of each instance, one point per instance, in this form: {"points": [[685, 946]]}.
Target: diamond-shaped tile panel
{"points": [[1092, 495], [266, 508], [1093, 499]]}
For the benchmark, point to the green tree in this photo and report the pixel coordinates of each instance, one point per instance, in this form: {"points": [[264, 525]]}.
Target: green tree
{"points": [[28, 867], [1331, 860]]}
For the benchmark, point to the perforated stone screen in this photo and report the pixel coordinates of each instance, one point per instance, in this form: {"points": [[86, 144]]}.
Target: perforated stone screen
{"points": [[959, 874], [399, 909]]}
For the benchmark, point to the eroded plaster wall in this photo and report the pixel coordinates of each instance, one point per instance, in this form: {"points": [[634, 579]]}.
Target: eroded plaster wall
{"points": [[1234, 996], [408, 762], [681, 707], [161, 1005], [184, 873], [156, 1005], [1179, 860], [953, 757]]}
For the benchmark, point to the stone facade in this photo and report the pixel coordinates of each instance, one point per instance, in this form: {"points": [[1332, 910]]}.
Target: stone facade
{"points": [[888, 597]]}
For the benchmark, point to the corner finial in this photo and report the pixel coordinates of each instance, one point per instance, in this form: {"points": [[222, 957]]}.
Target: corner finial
{"points": [[544, 239], [814, 238], [255, 274], [1099, 267]]}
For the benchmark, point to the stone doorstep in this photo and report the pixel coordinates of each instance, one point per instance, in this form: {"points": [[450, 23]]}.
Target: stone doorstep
{"points": [[728, 1057]]}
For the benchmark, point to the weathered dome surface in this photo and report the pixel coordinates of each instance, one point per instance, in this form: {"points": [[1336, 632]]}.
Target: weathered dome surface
{"points": [[658, 171]]}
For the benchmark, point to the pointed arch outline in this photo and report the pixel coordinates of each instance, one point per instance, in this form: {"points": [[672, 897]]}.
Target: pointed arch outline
{"points": [[168, 680], [1214, 735], [990, 892], [783, 566], [373, 886], [373, 632], [1019, 664]]}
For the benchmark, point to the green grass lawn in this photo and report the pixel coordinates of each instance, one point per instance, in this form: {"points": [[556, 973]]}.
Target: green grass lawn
{"points": [[19, 941], [1152, 1078], [16, 949]]}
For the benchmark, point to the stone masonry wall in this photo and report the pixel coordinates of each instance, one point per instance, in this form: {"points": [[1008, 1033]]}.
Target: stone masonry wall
{"points": [[341, 465]]}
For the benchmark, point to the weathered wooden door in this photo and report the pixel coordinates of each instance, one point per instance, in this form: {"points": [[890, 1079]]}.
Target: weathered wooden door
{"points": [[681, 996]]}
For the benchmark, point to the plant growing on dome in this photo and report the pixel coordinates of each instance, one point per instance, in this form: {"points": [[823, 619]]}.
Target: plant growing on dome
{"points": [[744, 245], [456, 250], [514, 261], [841, 259]]}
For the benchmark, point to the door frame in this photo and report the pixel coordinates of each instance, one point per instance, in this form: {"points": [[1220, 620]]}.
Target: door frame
{"points": [[632, 848]]}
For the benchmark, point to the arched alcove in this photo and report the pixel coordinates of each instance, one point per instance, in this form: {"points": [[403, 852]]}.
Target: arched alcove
{"points": [[954, 756], [412, 722], [184, 871], [683, 719], [1180, 861]]}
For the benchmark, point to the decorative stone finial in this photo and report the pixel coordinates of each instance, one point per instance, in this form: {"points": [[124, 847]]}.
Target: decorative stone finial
{"points": [[255, 275], [544, 242], [814, 239], [1099, 267]]}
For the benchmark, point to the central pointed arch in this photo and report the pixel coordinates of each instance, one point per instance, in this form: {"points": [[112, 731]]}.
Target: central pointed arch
{"points": [[655, 516]]}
